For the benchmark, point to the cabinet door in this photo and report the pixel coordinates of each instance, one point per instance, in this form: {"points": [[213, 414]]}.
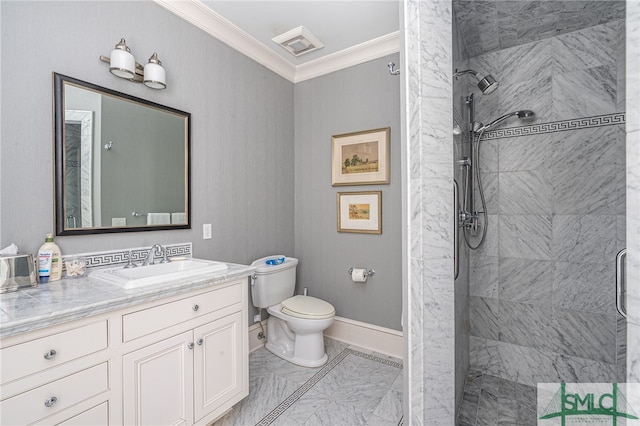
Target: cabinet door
{"points": [[158, 383], [219, 356]]}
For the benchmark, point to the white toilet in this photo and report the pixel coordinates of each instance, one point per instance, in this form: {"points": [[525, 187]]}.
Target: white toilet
{"points": [[294, 330]]}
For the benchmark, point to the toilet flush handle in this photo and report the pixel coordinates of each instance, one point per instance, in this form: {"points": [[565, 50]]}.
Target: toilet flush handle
{"points": [[254, 277]]}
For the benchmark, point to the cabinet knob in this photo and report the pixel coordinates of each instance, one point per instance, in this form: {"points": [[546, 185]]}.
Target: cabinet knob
{"points": [[196, 307], [51, 401], [200, 342], [50, 354], [190, 345]]}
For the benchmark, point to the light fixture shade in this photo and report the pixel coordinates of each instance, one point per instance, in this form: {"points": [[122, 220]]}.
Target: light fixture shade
{"points": [[154, 74], [123, 64]]}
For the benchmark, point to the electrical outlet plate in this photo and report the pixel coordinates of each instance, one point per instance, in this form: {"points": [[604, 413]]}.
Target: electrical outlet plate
{"points": [[206, 231], [256, 318]]}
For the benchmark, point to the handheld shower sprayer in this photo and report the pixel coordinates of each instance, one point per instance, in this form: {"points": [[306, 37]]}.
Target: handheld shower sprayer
{"points": [[469, 217], [524, 114], [486, 84]]}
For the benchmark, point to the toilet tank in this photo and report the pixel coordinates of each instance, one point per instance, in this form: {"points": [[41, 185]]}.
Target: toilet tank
{"points": [[273, 283]]}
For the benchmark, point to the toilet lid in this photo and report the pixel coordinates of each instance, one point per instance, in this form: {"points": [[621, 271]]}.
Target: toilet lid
{"points": [[307, 307]]}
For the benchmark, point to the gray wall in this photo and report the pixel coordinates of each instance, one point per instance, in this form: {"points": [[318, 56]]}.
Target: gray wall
{"points": [[242, 125], [359, 98], [543, 284]]}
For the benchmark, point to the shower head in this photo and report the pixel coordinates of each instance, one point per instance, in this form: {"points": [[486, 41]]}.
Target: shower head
{"points": [[523, 115], [486, 84]]}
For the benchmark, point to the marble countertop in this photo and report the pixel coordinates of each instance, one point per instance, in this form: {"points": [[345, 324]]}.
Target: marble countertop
{"points": [[71, 299]]}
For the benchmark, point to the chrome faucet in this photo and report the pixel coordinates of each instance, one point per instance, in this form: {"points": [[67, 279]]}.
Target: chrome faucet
{"points": [[157, 248], [130, 263]]}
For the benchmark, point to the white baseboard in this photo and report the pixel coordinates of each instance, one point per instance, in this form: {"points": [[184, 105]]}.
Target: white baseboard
{"points": [[254, 330], [367, 336]]}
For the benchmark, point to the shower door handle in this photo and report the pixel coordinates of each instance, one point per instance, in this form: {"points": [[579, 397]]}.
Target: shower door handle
{"points": [[456, 224], [620, 283]]}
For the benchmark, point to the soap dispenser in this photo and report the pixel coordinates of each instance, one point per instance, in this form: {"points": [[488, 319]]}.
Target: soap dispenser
{"points": [[49, 261]]}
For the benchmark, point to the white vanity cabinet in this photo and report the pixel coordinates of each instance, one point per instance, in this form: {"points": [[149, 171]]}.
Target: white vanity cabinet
{"points": [[54, 376], [182, 359], [194, 376]]}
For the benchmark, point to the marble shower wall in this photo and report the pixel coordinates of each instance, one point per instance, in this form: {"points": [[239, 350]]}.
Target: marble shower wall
{"points": [[542, 306], [429, 311]]}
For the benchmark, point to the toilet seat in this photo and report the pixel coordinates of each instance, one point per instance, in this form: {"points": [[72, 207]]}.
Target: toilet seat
{"points": [[307, 307]]}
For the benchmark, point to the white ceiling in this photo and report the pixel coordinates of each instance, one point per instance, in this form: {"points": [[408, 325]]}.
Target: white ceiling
{"points": [[353, 31]]}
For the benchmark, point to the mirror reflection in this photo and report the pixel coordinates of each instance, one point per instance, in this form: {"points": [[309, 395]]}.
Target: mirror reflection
{"points": [[122, 163]]}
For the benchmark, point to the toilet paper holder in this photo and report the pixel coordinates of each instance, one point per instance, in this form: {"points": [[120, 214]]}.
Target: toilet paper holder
{"points": [[367, 274]]}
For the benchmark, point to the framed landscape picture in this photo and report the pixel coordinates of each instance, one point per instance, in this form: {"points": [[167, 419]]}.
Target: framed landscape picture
{"points": [[360, 158], [360, 212]]}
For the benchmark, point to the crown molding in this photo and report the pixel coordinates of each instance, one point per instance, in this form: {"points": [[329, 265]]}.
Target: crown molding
{"points": [[358, 54], [196, 13]]}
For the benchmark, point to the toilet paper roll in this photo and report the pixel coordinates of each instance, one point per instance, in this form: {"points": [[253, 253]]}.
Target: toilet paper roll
{"points": [[359, 275]]}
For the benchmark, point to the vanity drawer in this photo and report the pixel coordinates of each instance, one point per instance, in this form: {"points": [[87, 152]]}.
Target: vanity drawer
{"points": [[40, 354], [147, 321], [96, 416], [45, 400]]}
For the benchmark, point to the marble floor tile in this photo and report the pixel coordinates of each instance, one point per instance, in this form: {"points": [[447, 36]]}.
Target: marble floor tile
{"points": [[473, 384], [390, 408], [336, 413], [500, 402], [354, 388], [487, 409], [507, 411], [468, 408]]}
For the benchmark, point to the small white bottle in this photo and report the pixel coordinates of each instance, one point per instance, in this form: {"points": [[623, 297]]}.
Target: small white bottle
{"points": [[49, 261]]}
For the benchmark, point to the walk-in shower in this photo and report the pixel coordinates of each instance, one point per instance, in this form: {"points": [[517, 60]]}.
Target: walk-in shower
{"points": [[469, 218]]}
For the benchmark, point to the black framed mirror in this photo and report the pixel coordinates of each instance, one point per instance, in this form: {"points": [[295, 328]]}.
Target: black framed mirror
{"points": [[122, 163]]}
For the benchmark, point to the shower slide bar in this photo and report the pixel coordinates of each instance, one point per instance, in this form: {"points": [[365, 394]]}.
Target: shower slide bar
{"points": [[621, 285]]}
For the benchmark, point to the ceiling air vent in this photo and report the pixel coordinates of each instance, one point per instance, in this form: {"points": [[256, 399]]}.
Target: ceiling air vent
{"points": [[298, 41]]}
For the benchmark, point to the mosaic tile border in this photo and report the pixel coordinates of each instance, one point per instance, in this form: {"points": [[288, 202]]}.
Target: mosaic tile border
{"points": [[119, 257], [536, 129], [284, 405], [557, 126]]}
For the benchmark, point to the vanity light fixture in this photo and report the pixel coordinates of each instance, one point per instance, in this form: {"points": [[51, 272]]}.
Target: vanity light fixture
{"points": [[122, 64], [154, 75]]}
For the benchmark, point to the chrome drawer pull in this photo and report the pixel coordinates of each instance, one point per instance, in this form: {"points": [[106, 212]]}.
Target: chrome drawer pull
{"points": [[196, 307], [51, 401], [200, 342], [50, 354], [190, 345]]}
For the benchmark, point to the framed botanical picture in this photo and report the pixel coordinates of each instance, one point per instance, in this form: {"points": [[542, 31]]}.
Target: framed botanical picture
{"points": [[360, 158], [360, 212]]}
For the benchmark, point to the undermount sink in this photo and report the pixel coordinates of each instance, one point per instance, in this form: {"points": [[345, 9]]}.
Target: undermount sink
{"points": [[158, 273]]}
